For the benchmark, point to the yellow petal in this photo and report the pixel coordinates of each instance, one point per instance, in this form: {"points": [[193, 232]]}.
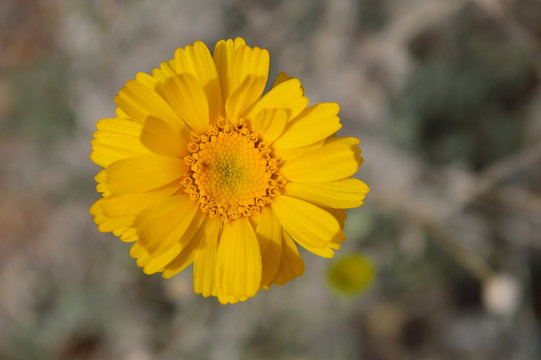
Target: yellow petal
{"points": [[127, 235], [353, 144], [269, 234], [197, 61], [107, 223], [137, 251], [243, 96], [175, 259], [147, 80], [168, 68], [247, 77], [163, 74], [162, 139], [116, 139], [132, 204], [341, 216], [191, 241], [122, 114], [280, 78], [120, 125], [163, 225], [330, 162], [293, 153], [222, 56], [312, 227], [153, 264], [143, 173], [110, 147], [291, 263], [342, 194], [287, 95], [314, 124], [101, 187], [186, 96], [247, 62], [238, 270], [270, 123], [205, 259], [157, 263], [184, 259], [139, 102]]}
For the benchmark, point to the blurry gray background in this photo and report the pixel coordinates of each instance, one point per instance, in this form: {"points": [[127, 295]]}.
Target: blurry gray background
{"points": [[445, 98]]}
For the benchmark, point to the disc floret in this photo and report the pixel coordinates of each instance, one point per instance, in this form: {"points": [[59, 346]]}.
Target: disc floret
{"points": [[231, 171]]}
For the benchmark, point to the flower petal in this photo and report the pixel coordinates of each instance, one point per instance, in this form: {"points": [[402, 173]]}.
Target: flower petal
{"points": [[153, 264], [342, 194], [312, 227], [139, 102], [120, 125], [116, 139], [314, 124], [280, 78], [127, 235], [166, 71], [197, 61], [269, 234], [333, 161], [190, 242], [353, 144], [247, 78], [101, 187], [243, 96], [293, 153], [162, 139], [287, 95], [341, 216], [246, 62], [291, 263], [270, 123], [238, 270], [107, 223], [186, 96], [143, 173], [132, 204], [163, 225], [148, 80], [222, 56], [205, 259]]}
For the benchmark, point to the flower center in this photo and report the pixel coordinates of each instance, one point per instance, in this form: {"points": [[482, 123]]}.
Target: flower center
{"points": [[231, 171]]}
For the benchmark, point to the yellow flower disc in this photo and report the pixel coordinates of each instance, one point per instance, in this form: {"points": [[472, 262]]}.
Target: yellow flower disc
{"points": [[232, 173]]}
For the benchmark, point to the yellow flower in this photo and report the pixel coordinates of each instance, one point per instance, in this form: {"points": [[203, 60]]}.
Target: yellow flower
{"points": [[351, 274], [200, 168]]}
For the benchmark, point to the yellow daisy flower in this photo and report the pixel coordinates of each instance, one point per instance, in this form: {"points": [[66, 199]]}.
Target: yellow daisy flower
{"points": [[200, 167]]}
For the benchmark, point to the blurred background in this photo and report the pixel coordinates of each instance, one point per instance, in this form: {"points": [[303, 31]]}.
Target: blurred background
{"points": [[445, 97]]}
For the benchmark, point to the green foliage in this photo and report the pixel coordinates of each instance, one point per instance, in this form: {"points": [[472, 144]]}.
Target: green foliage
{"points": [[463, 101], [42, 102]]}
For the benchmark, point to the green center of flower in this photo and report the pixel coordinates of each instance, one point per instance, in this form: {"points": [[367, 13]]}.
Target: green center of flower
{"points": [[231, 172]]}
